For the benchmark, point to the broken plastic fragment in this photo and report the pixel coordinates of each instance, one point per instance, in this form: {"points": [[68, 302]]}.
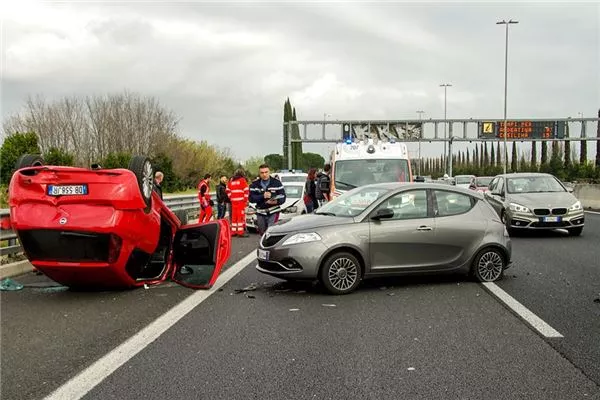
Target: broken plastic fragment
{"points": [[10, 285], [328, 305], [250, 296], [411, 368], [249, 288], [294, 309]]}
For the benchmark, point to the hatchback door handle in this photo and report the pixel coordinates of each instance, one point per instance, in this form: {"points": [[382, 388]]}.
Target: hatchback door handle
{"points": [[424, 228]]}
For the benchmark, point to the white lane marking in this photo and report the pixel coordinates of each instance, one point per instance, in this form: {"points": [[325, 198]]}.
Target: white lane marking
{"points": [[536, 322], [89, 378], [592, 212]]}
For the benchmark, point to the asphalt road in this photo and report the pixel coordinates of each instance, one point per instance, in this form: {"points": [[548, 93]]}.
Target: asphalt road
{"points": [[558, 278], [417, 338], [49, 333]]}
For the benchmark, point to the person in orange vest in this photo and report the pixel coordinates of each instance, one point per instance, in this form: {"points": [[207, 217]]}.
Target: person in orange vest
{"points": [[206, 203], [238, 192]]}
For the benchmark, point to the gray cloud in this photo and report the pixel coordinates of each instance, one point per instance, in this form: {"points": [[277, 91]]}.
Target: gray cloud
{"points": [[226, 69]]}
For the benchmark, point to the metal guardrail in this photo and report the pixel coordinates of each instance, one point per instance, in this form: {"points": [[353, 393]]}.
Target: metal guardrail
{"points": [[183, 206]]}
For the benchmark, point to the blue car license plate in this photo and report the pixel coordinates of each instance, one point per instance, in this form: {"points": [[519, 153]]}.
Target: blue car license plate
{"points": [[551, 219], [67, 190]]}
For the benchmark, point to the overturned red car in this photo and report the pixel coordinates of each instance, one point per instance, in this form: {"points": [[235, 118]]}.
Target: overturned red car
{"points": [[107, 228]]}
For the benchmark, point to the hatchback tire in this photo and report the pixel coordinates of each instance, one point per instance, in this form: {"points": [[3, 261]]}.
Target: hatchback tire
{"points": [[341, 273], [488, 265], [142, 168]]}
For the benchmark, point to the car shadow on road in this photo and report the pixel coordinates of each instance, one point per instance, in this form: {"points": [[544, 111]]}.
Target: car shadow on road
{"points": [[278, 287]]}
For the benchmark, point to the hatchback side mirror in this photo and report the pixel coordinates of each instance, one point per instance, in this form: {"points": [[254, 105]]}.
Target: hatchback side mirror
{"points": [[383, 213]]}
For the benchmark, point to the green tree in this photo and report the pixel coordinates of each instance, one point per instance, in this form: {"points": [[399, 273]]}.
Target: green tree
{"points": [[544, 159], [15, 146], [275, 161], [251, 167], [116, 160], [533, 165], [56, 156], [287, 117], [297, 146], [556, 163], [486, 156], [499, 156], [523, 163], [163, 163], [492, 156], [312, 160], [567, 149], [513, 163]]}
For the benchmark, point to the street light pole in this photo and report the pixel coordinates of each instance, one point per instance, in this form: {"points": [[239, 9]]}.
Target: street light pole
{"points": [[445, 86], [420, 112], [506, 23]]}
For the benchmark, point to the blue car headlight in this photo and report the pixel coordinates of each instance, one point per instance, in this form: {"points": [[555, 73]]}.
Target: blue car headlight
{"points": [[302, 238]]}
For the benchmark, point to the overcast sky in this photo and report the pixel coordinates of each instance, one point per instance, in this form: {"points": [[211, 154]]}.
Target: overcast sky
{"points": [[226, 68]]}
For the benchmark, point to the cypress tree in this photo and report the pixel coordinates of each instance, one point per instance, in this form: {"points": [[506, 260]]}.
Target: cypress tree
{"points": [[513, 164]]}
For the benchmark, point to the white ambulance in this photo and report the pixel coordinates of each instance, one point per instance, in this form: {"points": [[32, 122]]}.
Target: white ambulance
{"points": [[357, 163]]}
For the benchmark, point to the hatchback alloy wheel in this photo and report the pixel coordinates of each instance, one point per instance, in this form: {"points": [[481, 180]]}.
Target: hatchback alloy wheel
{"points": [[341, 273], [488, 265]]}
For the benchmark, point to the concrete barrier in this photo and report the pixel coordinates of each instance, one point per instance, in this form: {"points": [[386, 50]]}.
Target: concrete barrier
{"points": [[588, 194]]}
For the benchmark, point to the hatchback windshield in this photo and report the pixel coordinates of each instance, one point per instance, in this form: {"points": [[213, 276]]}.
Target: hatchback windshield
{"points": [[352, 203], [293, 191], [534, 184], [349, 174], [483, 181], [463, 180], [292, 178]]}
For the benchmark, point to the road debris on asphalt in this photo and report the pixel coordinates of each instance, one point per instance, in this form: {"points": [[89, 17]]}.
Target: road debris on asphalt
{"points": [[328, 305], [9, 285], [294, 309], [250, 288]]}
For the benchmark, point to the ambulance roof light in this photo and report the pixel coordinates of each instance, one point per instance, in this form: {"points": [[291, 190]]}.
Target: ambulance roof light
{"points": [[348, 141]]}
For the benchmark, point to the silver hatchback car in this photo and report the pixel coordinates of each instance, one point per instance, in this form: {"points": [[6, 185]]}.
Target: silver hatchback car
{"points": [[389, 229], [534, 201]]}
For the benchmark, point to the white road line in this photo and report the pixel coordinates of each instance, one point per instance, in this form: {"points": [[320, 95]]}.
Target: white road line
{"points": [[536, 322], [592, 212], [89, 378]]}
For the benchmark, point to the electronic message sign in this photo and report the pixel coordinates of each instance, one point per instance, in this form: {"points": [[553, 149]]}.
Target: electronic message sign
{"points": [[524, 130]]}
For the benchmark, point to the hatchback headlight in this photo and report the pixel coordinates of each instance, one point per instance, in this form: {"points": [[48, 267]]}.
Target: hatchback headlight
{"points": [[302, 238], [518, 208], [575, 207]]}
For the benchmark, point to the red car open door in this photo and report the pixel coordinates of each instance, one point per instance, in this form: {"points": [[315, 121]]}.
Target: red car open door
{"points": [[199, 252]]}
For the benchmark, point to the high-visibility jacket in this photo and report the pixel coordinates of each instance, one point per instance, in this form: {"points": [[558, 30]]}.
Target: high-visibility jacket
{"points": [[238, 190]]}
